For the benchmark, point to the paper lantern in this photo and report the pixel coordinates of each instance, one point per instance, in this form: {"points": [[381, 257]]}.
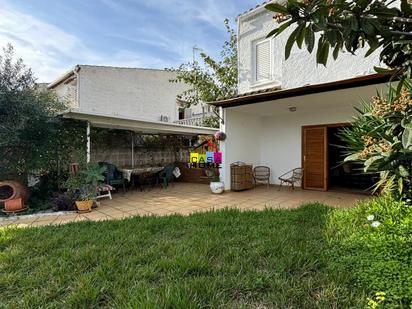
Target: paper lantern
{"points": [[220, 136]]}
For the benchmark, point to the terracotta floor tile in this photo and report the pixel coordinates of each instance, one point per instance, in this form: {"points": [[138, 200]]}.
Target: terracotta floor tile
{"points": [[186, 198]]}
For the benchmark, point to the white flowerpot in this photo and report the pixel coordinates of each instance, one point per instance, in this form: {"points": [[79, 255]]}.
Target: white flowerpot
{"points": [[217, 187]]}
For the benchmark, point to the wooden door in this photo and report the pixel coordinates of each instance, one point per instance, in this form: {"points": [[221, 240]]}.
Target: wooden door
{"points": [[315, 157]]}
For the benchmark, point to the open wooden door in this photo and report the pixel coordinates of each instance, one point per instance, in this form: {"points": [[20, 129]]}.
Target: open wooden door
{"points": [[315, 157]]}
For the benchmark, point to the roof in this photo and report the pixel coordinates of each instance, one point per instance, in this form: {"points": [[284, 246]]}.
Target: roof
{"points": [[257, 7], [138, 125], [63, 77], [272, 94], [71, 72]]}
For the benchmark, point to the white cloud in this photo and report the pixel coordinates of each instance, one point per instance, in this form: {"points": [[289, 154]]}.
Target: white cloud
{"points": [[48, 50], [51, 51]]}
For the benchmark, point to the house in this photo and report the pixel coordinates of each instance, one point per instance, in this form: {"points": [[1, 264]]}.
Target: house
{"points": [[142, 101], [133, 93], [287, 112]]}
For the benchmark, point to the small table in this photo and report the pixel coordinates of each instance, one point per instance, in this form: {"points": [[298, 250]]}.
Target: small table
{"points": [[140, 172], [129, 171]]}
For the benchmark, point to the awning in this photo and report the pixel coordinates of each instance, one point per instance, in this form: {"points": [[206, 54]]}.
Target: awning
{"points": [[276, 93], [138, 125]]}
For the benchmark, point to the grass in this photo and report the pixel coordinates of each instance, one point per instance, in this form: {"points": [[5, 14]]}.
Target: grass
{"points": [[226, 259]]}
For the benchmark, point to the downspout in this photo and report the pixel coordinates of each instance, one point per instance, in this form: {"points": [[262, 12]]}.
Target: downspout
{"points": [[88, 142], [76, 73], [238, 49]]}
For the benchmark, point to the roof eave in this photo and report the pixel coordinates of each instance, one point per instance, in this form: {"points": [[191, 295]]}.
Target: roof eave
{"points": [[304, 90], [64, 77], [254, 11]]}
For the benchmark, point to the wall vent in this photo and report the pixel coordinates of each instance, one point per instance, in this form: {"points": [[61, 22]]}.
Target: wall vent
{"points": [[164, 118]]}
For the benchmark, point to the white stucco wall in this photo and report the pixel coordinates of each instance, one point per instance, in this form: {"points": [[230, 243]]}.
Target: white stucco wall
{"points": [[301, 68], [269, 134], [138, 93], [243, 142], [68, 93]]}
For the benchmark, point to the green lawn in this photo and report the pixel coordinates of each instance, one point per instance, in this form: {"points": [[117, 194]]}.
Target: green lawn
{"points": [[227, 259]]}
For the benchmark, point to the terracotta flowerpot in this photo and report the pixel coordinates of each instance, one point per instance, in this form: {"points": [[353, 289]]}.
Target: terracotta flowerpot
{"points": [[14, 205], [84, 206], [10, 189]]}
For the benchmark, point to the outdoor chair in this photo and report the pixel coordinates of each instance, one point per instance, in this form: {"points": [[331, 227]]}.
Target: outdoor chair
{"points": [[166, 176], [113, 176], [291, 178], [261, 174]]}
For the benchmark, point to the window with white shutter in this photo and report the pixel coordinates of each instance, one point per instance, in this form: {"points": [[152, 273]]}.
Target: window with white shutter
{"points": [[262, 61]]}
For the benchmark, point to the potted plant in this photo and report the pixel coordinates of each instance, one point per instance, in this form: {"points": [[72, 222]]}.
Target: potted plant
{"points": [[83, 185], [216, 185]]}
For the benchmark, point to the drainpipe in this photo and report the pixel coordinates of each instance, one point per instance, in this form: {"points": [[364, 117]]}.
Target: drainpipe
{"points": [[76, 72], [88, 147]]}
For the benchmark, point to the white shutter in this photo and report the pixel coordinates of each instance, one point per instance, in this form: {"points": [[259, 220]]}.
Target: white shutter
{"points": [[263, 61]]}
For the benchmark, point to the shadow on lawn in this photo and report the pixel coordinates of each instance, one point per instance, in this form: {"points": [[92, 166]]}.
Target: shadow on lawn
{"points": [[228, 258]]}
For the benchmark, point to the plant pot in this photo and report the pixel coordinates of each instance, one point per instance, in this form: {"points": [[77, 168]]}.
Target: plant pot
{"points": [[84, 206], [11, 189], [14, 205], [217, 187]]}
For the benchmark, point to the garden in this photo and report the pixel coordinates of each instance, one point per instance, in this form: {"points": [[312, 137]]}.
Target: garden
{"points": [[309, 257]]}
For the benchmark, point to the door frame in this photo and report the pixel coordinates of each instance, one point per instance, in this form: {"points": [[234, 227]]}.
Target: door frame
{"points": [[326, 152]]}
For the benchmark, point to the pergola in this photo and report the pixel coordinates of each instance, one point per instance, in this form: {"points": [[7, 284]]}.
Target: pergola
{"points": [[135, 125]]}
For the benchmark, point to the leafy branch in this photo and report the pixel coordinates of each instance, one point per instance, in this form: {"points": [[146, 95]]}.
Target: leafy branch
{"points": [[350, 25]]}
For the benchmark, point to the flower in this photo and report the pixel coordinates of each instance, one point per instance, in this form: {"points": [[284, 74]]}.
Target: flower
{"points": [[375, 224], [371, 217]]}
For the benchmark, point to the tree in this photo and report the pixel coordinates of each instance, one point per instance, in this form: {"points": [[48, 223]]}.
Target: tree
{"points": [[381, 138], [350, 25], [33, 139], [211, 79]]}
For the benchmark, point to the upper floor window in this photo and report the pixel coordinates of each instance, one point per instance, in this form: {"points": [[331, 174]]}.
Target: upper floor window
{"points": [[262, 60]]}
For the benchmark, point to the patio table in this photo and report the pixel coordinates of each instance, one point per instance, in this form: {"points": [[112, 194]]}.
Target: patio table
{"points": [[129, 171]]}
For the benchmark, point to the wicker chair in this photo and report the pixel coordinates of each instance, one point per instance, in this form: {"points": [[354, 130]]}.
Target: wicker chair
{"points": [[261, 174], [292, 177]]}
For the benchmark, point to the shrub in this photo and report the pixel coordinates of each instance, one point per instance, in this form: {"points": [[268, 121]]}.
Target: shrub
{"points": [[63, 202], [379, 257], [381, 138]]}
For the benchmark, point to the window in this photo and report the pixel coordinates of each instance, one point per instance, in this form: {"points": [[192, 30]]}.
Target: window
{"points": [[262, 67], [181, 113]]}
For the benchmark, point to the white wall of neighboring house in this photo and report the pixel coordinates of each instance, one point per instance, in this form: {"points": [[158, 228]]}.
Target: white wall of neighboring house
{"points": [[300, 69], [143, 94], [67, 92]]}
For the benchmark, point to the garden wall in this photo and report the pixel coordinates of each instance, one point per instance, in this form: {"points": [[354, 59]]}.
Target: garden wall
{"points": [[115, 146]]}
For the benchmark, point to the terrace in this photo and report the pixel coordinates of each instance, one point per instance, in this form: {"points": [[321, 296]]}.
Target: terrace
{"points": [[188, 198]]}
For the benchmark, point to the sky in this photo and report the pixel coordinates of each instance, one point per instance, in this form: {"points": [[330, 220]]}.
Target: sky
{"points": [[52, 36]]}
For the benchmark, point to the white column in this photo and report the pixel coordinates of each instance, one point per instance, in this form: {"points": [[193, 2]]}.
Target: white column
{"points": [[223, 170], [88, 142]]}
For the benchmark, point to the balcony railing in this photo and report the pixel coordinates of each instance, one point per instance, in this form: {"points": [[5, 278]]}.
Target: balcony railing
{"points": [[194, 121]]}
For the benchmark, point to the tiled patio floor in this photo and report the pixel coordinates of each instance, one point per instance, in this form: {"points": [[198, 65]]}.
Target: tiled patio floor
{"points": [[185, 199]]}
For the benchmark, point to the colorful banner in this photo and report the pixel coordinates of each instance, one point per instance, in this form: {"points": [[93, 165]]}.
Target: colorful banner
{"points": [[210, 159]]}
